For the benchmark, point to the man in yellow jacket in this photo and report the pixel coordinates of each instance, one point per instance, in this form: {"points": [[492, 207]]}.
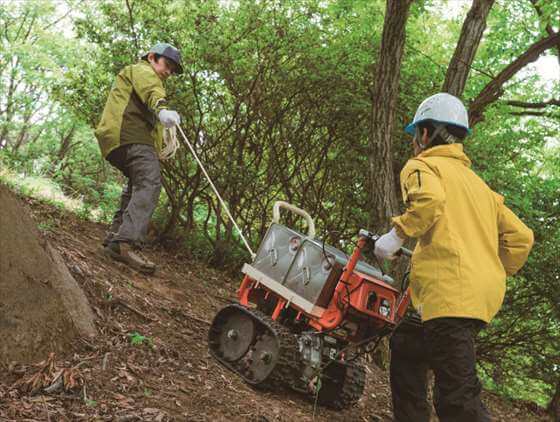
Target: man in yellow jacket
{"points": [[468, 241], [129, 136]]}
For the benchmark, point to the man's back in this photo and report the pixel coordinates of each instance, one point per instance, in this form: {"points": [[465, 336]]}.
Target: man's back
{"points": [[457, 270], [129, 116]]}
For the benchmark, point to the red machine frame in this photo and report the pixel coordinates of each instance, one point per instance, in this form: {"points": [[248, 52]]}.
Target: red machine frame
{"points": [[351, 296]]}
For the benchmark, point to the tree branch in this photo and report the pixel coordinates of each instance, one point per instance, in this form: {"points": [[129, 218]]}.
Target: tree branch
{"points": [[57, 20], [528, 113], [548, 27], [129, 7], [524, 104], [493, 90]]}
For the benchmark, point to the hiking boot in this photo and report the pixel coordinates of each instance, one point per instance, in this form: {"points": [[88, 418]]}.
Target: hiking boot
{"points": [[110, 235], [123, 252]]}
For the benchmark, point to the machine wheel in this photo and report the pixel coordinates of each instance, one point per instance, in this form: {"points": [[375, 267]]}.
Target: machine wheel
{"points": [[263, 357], [260, 350], [342, 385], [235, 337]]}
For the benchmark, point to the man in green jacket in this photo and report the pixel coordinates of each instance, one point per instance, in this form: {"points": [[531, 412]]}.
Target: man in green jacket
{"points": [[130, 136], [468, 241]]}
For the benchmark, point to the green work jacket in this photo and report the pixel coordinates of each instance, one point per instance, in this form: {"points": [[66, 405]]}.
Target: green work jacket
{"points": [[130, 114]]}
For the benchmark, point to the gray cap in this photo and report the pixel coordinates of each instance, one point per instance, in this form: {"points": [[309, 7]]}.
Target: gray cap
{"points": [[168, 51]]}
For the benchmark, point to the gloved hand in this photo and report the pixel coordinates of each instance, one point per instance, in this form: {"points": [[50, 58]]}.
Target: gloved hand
{"points": [[169, 118], [388, 244]]}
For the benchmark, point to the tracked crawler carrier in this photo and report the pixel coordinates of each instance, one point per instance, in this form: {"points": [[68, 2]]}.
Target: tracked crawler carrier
{"points": [[306, 312]]}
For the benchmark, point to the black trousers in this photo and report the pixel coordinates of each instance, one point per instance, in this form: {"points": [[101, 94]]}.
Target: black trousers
{"points": [[446, 346]]}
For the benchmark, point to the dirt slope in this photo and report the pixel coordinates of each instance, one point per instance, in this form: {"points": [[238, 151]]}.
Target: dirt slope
{"points": [[149, 360], [38, 296]]}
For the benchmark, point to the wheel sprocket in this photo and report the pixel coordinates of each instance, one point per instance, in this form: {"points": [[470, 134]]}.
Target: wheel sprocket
{"points": [[264, 355], [236, 335]]}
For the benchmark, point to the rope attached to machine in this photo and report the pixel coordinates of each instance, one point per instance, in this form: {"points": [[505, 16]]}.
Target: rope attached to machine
{"points": [[170, 148]]}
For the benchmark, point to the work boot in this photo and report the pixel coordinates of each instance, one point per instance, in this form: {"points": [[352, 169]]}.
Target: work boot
{"points": [[123, 252], [109, 236]]}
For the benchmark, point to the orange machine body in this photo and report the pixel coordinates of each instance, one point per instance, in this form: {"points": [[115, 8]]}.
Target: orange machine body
{"points": [[359, 305]]}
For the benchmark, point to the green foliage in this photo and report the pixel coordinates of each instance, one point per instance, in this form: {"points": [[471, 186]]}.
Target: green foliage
{"points": [[39, 135], [137, 339], [521, 348], [46, 226], [91, 403]]}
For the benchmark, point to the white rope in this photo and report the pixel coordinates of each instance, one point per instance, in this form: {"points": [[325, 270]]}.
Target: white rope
{"points": [[170, 143], [217, 193]]}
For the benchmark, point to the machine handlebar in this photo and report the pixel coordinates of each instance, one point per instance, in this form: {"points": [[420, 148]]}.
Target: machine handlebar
{"points": [[373, 237], [406, 252], [295, 210]]}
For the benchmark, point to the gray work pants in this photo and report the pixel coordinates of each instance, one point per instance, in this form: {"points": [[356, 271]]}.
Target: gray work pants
{"points": [[139, 198]]}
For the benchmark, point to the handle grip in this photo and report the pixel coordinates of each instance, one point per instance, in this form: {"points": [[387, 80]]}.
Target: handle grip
{"points": [[295, 210], [373, 237], [404, 251]]}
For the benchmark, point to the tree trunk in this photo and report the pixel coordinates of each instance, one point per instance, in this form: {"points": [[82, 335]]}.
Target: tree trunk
{"points": [[66, 143], [554, 405], [9, 104], [43, 309], [471, 34], [384, 202]]}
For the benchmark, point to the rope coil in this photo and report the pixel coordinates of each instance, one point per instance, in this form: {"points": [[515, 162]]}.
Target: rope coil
{"points": [[170, 143]]}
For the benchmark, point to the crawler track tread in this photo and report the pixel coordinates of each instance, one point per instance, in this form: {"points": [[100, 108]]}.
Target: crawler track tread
{"points": [[343, 385], [285, 372]]}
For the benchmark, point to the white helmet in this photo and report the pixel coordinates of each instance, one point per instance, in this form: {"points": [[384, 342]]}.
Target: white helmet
{"points": [[441, 108]]}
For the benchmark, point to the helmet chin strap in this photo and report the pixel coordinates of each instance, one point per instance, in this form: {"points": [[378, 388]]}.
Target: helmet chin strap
{"points": [[440, 130]]}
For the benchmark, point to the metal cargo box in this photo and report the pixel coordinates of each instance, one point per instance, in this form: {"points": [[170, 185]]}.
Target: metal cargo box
{"points": [[305, 266]]}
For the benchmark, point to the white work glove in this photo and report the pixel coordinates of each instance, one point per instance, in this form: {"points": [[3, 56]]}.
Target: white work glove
{"points": [[388, 244], [169, 118]]}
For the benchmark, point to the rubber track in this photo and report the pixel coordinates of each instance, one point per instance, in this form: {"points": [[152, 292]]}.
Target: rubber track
{"points": [[286, 371], [350, 389], [353, 387]]}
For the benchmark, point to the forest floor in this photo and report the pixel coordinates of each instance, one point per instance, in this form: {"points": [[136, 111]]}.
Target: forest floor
{"points": [[150, 361]]}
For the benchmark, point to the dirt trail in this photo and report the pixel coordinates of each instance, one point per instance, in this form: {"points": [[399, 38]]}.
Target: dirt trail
{"points": [[150, 361]]}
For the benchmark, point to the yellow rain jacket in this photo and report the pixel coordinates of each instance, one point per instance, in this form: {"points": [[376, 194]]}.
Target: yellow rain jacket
{"points": [[130, 114], [468, 240]]}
